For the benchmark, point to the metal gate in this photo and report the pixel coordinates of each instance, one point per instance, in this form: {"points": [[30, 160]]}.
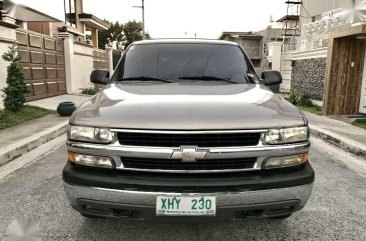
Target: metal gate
{"points": [[43, 63], [100, 59]]}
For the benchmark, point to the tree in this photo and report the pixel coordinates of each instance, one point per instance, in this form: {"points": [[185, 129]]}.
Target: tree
{"points": [[123, 34], [16, 91], [132, 31], [113, 33]]}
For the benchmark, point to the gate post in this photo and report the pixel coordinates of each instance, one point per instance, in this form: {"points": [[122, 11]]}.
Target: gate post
{"points": [[69, 54], [110, 59]]}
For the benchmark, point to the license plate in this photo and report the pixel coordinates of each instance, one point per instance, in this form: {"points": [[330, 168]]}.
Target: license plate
{"points": [[185, 206]]}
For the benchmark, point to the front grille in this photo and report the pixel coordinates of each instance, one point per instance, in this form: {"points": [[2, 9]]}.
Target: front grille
{"points": [[178, 165], [177, 140]]}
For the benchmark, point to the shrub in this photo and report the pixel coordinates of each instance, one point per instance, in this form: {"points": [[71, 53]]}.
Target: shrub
{"points": [[294, 97], [305, 101], [16, 91], [90, 90]]}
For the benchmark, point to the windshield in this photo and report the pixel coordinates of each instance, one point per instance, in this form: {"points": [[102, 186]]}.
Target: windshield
{"points": [[186, 63]]}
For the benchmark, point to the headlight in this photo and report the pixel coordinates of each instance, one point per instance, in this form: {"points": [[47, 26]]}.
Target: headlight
{"points": [[89, 160], [89, 134], [287, 135], [285, 161]]}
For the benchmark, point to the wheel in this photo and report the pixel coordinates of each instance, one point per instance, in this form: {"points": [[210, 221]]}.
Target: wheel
{"points": [[282, 216], [89, 216]]}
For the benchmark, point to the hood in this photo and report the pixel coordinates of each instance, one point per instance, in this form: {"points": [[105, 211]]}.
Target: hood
{"points": [[177, 106]]}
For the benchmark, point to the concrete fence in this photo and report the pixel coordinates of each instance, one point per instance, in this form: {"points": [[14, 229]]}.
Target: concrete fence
{"points": [[303, 71]]}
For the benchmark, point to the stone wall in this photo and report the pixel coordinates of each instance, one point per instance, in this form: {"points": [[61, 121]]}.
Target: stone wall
{"points": [[308, 77]]}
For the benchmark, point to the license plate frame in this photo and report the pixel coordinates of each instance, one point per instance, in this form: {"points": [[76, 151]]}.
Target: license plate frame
{"points": [[185, 205]]}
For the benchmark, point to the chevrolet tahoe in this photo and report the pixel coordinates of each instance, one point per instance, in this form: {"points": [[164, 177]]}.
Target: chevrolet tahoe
{"points": [[185, 130]]}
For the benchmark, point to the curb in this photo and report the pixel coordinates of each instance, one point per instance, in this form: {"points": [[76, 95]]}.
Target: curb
{"points": [[17, 149], [342, 142]]}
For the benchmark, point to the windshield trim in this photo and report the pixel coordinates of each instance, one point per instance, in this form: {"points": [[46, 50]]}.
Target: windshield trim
{"points": [[119, 70]]}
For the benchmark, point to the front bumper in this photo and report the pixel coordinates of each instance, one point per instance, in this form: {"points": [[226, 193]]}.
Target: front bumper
{"points": [[133, 195], [230, 206]]}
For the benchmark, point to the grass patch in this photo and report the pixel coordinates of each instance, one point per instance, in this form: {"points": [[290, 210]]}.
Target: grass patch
{"points": [[312, 109], [27, 113], [360, 123], [303, 102]]}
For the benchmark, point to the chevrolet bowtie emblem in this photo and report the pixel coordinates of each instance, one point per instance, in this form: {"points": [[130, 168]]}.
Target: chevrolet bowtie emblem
{"points": [[188, 154]]}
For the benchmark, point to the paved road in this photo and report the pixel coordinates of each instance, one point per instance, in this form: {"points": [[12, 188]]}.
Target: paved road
{"points": [[336, 210]]}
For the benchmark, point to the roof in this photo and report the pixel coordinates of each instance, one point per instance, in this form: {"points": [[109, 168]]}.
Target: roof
{"points": [[25, 13], [241, 35], [288, 17], [93, 21], [186, 41]]}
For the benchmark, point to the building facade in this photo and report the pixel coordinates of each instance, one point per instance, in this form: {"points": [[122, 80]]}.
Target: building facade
{"points": [[83, 26], [328, 63]]}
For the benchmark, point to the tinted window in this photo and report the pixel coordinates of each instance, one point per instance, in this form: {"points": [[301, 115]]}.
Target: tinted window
{"points": [[172, 61]]}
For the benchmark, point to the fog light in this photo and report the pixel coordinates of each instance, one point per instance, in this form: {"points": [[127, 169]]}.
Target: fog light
{"points": [[89, 160], [285, 161]]}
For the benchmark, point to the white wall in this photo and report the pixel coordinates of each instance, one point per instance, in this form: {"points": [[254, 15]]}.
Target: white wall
{"points": [[82, 66], [6, 36]]}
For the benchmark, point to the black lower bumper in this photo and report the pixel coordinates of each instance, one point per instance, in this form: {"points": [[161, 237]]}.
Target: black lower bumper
{"points": [[223, 214]]}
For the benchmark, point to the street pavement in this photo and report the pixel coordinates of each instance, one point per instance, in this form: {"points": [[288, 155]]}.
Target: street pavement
{"points": [[335, 211]]}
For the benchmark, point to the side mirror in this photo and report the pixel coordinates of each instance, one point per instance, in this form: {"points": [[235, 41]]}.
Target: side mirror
{"points": [[100, 77], [271, 77]]}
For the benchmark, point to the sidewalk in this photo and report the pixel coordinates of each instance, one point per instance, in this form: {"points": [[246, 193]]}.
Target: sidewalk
{"points": [[52, 102], [22, 138], [343, 135]]}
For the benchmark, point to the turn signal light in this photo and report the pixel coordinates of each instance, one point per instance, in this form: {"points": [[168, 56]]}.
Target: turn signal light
{"points": [[285, 161], [89, 160]]}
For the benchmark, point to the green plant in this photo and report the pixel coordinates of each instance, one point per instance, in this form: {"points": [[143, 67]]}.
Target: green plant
{"points": [[293, 97], [304, 101], [90, 90], [16, 91], [360, 123]]}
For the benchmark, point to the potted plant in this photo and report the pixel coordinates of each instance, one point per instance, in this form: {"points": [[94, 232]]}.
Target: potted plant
{"points": [[66, 108]]}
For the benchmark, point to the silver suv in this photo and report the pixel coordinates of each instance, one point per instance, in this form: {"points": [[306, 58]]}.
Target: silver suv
{"points": [[185, 130]]}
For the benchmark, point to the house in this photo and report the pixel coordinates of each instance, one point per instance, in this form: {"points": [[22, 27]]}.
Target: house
{"points": [[26, 17], [84, 26], [256, 43], [57, 56], [328, 64], [250, 42]]}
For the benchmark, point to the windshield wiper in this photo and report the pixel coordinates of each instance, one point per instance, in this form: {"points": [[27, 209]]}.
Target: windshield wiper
{"points": [[207, 78], [146, 78]]}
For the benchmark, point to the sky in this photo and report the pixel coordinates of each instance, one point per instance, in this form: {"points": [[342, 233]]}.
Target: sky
{"points": [[178, 18]]}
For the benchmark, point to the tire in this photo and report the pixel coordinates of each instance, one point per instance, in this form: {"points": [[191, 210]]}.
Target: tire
{"points": [[282, 216]]}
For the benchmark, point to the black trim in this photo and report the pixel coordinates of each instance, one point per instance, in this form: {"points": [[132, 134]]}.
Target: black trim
{"points": [[140, 181]]}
